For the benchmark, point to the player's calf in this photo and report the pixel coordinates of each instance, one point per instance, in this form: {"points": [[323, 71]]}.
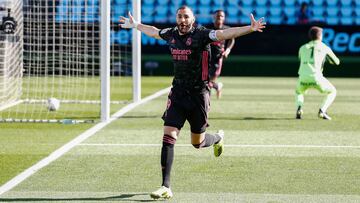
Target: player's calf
{"points": [[299, 113]]}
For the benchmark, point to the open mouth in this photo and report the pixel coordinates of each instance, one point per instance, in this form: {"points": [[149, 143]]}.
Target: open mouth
{"points": [[183, 28]]}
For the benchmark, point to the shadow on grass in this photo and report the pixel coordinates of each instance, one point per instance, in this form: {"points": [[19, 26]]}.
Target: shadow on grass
{"points": [[249, 118], [148, 116], [123, 197]]}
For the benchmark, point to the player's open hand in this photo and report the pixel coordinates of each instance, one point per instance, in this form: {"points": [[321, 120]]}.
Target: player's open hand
{"points": [[128, 22], [257, 25], [226, 53]]}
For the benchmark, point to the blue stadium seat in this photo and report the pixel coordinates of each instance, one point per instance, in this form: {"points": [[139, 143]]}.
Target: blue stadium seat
{"points": [[291, 21], [346, 2], [276, 3], [147, 9], [332, 2], [78, 2], [93, 2], [247, 2], [203, 20], [120, 2], [147, 19], [204, 12], [77, 10], [172, 9], [148, 2], [160, 19], [332, 11], [275, 20], [289, 3], [357, 21], [190, 3], [233, 2], [357, 11], [120, 10], [246, 10], [91, 18], [62, 10], [63, 3], [92, 10], [261, 11], [346, 11], [275, 11], [244, 19], [346, 20], [232, 20], [318, 3], [332, 20], [162, 10], [289, 11], [219, 2], [318, 11], [205, 2], [61, 18], [177, 3], [357, 3], [232, 10], [163, 2], [215, 8], [261, 2]]}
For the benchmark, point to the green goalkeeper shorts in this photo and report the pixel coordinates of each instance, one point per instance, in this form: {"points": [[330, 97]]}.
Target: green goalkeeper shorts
{"points": [[318, 82]]}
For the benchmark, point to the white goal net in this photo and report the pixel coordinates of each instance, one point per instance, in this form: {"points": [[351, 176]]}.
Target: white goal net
{"points": [[52, 73]]}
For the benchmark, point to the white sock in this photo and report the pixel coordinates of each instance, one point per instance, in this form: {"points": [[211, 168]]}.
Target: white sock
{"points": [[299, 99]]}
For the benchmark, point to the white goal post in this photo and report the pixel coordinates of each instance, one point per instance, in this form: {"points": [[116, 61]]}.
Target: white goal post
{"points": [[71, 51]]}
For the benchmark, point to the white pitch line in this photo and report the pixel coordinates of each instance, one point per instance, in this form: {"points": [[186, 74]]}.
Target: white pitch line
{"points": [[230, 145], [76, 141]]}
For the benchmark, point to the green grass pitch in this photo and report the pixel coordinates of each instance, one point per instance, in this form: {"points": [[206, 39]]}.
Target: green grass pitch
{"points": [[269, 156]]}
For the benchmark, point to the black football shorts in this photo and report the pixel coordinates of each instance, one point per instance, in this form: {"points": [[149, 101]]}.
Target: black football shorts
{"points": [[192, 106]]}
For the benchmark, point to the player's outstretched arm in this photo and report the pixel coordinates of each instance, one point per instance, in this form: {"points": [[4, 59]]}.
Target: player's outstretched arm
{"points": [[132, 23], [332, 58], [256, 26]]}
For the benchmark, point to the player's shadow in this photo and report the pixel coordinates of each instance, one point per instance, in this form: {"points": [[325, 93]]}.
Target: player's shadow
{"points": [[141, 197], [143, 116], [250, 118]]}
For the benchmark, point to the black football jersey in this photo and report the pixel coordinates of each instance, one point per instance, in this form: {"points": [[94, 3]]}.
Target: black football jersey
{"points": [[218, 47], [190, 55]]}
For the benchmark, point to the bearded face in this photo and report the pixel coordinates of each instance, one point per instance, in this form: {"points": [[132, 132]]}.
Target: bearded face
{"points": [[184, 20]]}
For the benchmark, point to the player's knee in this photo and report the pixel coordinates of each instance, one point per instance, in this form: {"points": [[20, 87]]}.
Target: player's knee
{"points": [[168, 139], [334, 91]]}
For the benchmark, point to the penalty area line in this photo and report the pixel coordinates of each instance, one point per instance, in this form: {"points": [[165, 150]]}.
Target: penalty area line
{"points": [[230, 145], [76, 141]]}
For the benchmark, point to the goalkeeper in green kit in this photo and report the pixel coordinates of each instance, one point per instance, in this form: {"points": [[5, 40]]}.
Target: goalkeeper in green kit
{"points": [[312, 57]]}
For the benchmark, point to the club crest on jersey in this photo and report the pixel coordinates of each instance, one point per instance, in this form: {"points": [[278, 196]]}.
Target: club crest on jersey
{"points": [[173, 41], [188, 41]]}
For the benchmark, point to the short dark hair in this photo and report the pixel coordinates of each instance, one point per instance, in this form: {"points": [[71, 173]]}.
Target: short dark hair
{"points": [[184, 7], [315, 32], [218, 11]]}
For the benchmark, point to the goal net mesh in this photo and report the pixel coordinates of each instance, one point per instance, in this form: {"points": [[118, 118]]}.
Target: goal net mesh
{"points": [[58, 56]]}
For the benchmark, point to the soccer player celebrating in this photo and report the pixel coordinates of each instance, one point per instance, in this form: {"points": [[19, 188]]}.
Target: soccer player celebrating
{"points": [[312, 56], [189, 97], [219, 51]]}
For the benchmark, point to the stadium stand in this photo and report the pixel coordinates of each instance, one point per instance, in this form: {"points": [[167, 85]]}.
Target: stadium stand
{"points": [[333, 12]]}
